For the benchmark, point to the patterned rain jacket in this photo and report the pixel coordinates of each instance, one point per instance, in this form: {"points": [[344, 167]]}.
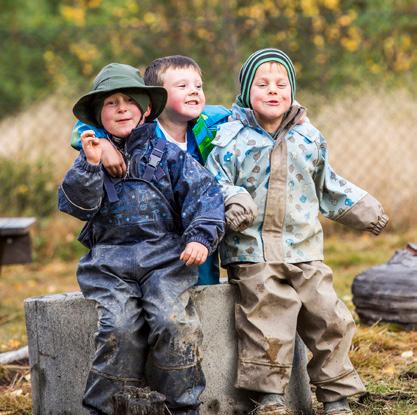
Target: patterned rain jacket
{"points": [[290, 180]]}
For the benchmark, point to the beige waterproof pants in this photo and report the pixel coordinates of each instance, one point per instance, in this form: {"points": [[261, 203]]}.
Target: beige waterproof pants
{"points": [[275, 301]]}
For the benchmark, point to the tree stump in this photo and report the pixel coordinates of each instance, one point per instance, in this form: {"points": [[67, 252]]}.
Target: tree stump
{"points": [[139, 401], [388, 292]]}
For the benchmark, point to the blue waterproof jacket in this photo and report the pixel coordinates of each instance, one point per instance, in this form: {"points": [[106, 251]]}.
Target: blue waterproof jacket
{"points": [[188, 187]]}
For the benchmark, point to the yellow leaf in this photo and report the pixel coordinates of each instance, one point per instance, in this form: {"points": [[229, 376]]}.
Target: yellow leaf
{"points": [[389, 370], [85, 52], [309, 7], [318, 40], [375, 68], [331, 4], [333, 33], [318, 24], [74, 15], [280, 36], [150, 18], [345, 20], [13, 344], [94, 4]]}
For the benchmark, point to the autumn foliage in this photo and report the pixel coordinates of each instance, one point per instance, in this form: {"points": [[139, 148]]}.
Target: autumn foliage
{"points": [[62, 44]]}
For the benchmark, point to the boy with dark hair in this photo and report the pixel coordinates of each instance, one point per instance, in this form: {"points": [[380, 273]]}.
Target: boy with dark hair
{"points": [[276, 178], [146, 232], [185, 121]]}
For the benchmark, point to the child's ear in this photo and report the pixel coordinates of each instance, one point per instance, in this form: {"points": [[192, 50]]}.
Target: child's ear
{"points": [[146, 113]]}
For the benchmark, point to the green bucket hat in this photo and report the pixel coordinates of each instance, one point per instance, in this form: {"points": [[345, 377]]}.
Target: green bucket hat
{"points": [[118, 77]]}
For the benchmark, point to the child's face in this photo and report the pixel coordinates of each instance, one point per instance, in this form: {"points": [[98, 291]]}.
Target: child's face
{"points": [[120, 115], [185, 94], [270, 94]]}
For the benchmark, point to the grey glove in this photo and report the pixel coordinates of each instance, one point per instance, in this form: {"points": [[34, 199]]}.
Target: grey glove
{"points": [[378, 227], [240, 213]]}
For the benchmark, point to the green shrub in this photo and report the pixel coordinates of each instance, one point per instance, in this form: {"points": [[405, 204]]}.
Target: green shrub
{"points": [[27, 188]]}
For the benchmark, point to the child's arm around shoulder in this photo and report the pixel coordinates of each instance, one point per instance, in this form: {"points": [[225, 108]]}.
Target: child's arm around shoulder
{"points": [[112, 160], [81, 192], [223, 162], [200, 203], [79, 128], [343, 201]]}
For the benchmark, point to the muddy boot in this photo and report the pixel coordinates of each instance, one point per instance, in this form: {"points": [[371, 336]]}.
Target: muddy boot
{"points": [[139, 401], [340, 407], [272, 404], [190, 411]]}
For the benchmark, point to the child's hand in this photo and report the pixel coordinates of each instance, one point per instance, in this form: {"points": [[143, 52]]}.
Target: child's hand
{"points": [[112, 160], [91, 146], [238, 218], [194, 254]]}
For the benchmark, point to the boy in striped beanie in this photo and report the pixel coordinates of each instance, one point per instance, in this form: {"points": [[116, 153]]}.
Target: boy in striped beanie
{"points": [[276, 178]]}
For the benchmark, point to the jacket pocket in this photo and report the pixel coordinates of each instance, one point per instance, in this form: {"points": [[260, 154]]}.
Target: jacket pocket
{"points": [[86, 235]]}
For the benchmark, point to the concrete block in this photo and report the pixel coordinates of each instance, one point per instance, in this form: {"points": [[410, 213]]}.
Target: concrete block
{"points": [[61, 330]]}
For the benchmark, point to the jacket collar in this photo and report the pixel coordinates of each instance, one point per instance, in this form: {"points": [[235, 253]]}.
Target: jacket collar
{"points": [[141, 136], [247, 117]]}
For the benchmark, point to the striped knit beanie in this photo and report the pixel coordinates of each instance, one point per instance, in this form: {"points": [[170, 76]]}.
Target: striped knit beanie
{"points": [[247, 73]]}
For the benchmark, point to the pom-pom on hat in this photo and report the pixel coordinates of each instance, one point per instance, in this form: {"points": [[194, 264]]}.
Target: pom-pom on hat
{"points": [[248, 70]]}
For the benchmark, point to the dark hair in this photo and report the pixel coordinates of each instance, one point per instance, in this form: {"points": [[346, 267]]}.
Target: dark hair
{"points": [[155, 70]]}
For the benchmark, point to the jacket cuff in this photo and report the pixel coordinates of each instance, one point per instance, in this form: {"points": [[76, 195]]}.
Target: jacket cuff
{"points": [[244, 200], [91, 168], [202, 241], [366, 215]]}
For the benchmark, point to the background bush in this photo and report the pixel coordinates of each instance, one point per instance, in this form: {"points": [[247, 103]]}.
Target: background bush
{"points": [[27, 188], [52, 44]]}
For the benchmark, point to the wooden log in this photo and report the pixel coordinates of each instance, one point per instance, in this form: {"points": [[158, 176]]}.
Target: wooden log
{"points": [[14, 356]]}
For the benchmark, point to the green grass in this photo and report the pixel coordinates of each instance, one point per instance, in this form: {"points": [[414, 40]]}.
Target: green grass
{"points": [[381, 353], [19, 282]]}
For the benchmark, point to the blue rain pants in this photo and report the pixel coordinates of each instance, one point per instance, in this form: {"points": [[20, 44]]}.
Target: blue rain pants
{"points": [[148, 330]]}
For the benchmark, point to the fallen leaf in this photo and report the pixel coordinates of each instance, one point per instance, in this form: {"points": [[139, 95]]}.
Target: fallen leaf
{"points": [[389, 370], [16, 392], [407, 355]]}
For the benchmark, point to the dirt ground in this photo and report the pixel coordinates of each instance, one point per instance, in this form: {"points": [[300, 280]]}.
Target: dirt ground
{"points": [[384, 354]]}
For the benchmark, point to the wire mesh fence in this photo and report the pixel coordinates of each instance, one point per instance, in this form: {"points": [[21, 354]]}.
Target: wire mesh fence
{"points": [[370, 134], [371, 141]]}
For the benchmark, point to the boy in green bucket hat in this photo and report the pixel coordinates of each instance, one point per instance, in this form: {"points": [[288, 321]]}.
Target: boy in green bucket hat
{"points": [[186, 121], [147, 233]]}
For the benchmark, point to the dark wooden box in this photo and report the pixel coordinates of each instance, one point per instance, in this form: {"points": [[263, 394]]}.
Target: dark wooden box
{"points": [[15, 241]]}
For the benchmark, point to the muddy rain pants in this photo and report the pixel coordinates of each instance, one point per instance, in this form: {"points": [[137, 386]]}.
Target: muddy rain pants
{"points": [[148, 330], [275, 301]]}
